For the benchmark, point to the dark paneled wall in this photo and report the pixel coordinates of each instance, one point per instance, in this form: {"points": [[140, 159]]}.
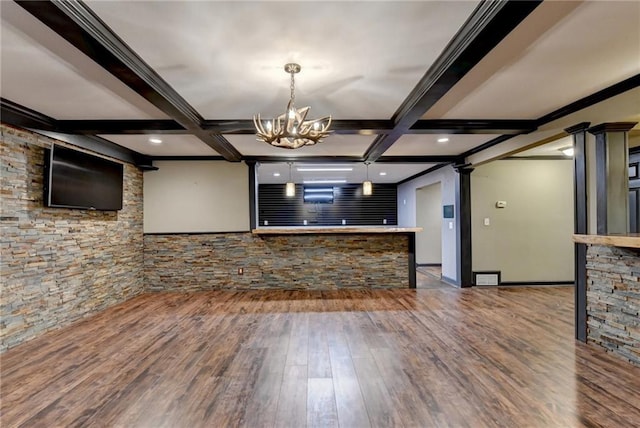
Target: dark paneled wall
{"points": [[348, 204]]}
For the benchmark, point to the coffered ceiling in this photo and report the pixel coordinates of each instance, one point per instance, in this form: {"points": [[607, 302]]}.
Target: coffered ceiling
{"points": [[397, 77]]}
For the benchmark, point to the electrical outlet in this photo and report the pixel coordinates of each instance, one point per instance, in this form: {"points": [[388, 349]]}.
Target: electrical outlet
{"points": [[240, 271]]}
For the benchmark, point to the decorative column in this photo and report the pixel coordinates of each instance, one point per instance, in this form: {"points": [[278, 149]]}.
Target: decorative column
{"points": [[579, 133], [463, 226], [612, 177]]}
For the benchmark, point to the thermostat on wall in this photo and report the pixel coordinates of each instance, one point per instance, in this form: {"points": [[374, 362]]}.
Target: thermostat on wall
{"points": [[501, 204]]}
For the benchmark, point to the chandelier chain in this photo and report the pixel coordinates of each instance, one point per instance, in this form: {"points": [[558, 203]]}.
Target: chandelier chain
{"points": [[292, 87]]}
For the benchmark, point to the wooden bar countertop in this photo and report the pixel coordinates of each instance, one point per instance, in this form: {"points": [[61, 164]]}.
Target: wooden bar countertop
{"points": [[628, 240], [301, 230]]}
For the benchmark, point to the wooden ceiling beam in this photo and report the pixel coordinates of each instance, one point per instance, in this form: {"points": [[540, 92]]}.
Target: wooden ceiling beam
{"points": [[484, 30], [78, 25]]}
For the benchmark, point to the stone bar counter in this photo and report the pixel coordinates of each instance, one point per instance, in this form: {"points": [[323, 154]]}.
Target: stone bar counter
{"points": [[613, 292], [292, 258], [342, 257]]}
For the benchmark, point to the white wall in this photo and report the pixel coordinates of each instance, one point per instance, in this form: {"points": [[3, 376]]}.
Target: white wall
{"points": [[407, 213], [196, 196], [429, 218], [530, 239]]}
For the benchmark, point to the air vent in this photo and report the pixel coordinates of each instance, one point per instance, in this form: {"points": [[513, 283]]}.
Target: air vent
{"points": [[486, 278]]}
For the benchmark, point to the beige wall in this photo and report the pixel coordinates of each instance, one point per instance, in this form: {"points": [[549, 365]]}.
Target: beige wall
{"points": [[196, 196], [429, 218], [530, 239]]}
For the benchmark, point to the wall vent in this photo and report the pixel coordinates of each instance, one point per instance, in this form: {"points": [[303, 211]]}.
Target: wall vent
{"points": [[486, 278]]}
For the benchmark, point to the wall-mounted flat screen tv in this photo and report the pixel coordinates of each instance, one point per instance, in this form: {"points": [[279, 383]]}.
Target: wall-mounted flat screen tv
{"points": [[75, 179]]}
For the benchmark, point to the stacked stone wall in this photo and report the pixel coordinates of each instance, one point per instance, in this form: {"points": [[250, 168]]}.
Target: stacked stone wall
{"points": [[613, 300], [184, 262], [59, 265]]}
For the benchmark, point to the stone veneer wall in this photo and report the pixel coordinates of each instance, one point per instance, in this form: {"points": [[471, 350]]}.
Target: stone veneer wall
{"points": [[190, 262], [59, 265], [613, 300]]}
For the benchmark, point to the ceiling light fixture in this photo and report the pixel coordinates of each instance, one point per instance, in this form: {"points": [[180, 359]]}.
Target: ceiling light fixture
{"points": [[290, 188], [367, 186], [324, 181], [290, 130], [442, 140], [567, 151], [383, 173], [333, 169], [276, 174], [155, 140]]}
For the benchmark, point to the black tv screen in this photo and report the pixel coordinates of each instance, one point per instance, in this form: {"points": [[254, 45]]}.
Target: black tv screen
{"points": [[75, 179]]}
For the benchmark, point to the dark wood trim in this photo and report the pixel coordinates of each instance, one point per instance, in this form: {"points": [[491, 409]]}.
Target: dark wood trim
{"points": [[483, 31], [350, 159], [78, 25], [534, 283], [338, 126], [601, 183], [253, 196], [634, 150], [305, 159], [588, 101], [98, 145], [425, 172], [472, 126], [612, 127], [411, 238], [488, 144], [187, 158], [417, 159], [428, 264], [463, 226], [581, 210], [120, 127], [17, 115], [538, 158]]}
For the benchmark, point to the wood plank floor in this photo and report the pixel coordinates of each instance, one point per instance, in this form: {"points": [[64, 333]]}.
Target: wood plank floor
{"points": [[484, 357]]}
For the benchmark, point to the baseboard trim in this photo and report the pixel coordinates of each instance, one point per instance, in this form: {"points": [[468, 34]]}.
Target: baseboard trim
{"points": [[534, 283]]}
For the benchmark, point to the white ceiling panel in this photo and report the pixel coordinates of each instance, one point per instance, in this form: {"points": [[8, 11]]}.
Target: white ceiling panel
{"points": [[172, 145], [562, 52], [378, 172], [427, 144], [550, 149], [359, 59], [333, 145], [41, 70]]}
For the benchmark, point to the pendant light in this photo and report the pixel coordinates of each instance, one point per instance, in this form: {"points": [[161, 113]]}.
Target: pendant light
{"points": [[367, 186], [290, 188]]}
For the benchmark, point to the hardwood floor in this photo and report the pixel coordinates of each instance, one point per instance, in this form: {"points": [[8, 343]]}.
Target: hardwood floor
{"points": [[486, 357]]}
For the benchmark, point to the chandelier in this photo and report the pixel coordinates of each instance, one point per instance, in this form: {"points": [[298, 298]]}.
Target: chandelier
{"points": [[291, 130]]}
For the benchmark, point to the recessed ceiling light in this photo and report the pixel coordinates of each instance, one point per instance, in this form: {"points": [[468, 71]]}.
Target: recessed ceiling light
{"points": [[155, 140], [323, 181], [567, 151], [276, 174], [323, 169], [442, 140], [383, 173]]}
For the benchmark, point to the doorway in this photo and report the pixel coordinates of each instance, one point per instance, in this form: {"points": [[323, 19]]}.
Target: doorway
{"points": [[429, 241]]}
